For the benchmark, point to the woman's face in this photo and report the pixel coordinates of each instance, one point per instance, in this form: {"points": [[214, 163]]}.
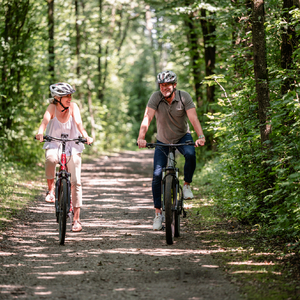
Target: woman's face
{"points": [[66, 100]]}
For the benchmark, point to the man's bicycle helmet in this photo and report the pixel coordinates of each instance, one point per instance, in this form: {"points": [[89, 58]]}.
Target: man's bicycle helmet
{"points": [[167, 77], [61, 89]]}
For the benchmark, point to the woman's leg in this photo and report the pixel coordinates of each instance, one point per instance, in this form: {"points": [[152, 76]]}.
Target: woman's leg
{"points": [[74, 167], [51, 161]]}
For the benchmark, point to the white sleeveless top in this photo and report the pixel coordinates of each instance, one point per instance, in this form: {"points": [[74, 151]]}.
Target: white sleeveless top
{"points": [[56, 128]]}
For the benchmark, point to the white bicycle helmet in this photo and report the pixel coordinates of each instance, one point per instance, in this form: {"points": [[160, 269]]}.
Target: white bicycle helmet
{"points": [[167, 77], [61, 89]]}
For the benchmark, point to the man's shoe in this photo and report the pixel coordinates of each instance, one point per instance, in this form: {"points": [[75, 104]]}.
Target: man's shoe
{"points": [[187, 193], [157, 222]]}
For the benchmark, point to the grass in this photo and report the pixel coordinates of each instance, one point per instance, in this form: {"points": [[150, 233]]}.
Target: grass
{"points": [[18, 187], [262, 267]]}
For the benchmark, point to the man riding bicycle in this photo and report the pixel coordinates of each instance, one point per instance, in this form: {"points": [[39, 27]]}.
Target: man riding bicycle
{"points": [[172, 109]]}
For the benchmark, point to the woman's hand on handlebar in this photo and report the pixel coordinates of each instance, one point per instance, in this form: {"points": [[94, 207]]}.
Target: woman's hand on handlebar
{"points": [[89, 140], [142, 143], [39, 137]]}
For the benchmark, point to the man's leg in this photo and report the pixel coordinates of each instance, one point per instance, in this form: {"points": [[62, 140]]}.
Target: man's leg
{"points": [[160, 161], [189, 154]]}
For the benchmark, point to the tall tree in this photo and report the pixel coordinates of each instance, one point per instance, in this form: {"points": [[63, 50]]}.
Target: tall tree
{"points": [[289, 43], [209, 36], [51, 52], [77, 38], [149, 26], [194, 50], [260, 68]]}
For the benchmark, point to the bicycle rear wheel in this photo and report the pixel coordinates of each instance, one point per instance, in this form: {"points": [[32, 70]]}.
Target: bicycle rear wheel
{"points": [[62, 202], [169, 198]]}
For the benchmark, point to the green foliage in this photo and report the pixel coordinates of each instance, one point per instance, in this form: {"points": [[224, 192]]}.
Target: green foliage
{"points": [[112, 60]]}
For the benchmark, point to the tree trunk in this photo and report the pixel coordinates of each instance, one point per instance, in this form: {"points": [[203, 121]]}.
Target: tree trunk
{"points": [[192, 37], [90, 107], [208, 29], [51, 40], [289, 43], [260, 68], [100, 94], [77, 39], [149, 26]]}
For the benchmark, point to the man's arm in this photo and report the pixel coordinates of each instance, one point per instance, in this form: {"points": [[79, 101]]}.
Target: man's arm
{"points": [[148, 116], [192, 115]]}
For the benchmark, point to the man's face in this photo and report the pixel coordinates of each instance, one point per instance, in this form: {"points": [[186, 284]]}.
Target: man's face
{"points": [[167, 89]]}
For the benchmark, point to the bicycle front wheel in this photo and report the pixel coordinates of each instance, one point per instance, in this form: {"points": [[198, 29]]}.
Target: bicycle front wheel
{"points": [[169, 198], [178, 212], [62, 203]]}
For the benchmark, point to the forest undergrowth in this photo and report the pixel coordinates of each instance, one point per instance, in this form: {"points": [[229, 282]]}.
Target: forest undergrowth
{"points": [[263, 266]]}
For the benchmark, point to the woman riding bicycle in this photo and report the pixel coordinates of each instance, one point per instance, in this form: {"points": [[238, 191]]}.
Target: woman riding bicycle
{"points": [[63, 116]]}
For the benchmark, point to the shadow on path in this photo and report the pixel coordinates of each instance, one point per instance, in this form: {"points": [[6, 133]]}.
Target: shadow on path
{"points": [[117, 255]]}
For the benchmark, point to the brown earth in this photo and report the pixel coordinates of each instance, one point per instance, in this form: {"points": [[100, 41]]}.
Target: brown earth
{"points": [[117, 255]]}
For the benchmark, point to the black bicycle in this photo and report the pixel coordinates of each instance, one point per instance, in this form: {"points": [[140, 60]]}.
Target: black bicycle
{"points": [[172, 196], [63, 202]]}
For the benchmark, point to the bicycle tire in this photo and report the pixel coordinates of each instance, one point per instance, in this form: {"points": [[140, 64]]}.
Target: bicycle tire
{"points": [[177, 213], [62, 202], [177, 223], [169, 213]]}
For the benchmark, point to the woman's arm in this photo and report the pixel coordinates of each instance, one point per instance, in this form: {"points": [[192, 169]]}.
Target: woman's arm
{"points": [[47, 117], [77, 118]]}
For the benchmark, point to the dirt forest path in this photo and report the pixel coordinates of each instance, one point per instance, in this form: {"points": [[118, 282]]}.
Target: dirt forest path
{"points": [[117, 255]]}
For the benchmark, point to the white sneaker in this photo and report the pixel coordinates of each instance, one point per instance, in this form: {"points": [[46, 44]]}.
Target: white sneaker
{"points": [[187, 193], [50, 198], [157, 222]]}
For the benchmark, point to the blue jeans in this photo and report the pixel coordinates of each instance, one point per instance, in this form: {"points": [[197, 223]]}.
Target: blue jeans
{"points": [[160, 162]]}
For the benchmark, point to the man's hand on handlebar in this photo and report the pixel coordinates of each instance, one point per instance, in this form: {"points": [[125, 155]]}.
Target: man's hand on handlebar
{"points": [[200, 142], [142, 143]]}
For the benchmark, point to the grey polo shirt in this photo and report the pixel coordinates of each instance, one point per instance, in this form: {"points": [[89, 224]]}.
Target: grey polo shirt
{"points": [[171, 119]]}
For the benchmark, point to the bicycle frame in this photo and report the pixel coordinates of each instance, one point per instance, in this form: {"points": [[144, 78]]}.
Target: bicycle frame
{"points": [[63, 203], [172, 199], [63, 173]]}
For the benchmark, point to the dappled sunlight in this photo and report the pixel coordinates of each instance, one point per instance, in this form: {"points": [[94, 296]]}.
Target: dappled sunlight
{"points": [[252, 263], [116, 246], [255, 272]]}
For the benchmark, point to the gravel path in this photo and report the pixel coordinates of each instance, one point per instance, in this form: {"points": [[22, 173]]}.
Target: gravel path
{"points": [[117, 255]]}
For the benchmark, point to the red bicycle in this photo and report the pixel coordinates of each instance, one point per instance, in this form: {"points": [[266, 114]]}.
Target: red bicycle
{"points": [[63, 202]]}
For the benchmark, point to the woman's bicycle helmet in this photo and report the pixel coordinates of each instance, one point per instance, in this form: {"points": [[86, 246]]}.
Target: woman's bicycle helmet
{"points": [[167, 77], [61, 89]]}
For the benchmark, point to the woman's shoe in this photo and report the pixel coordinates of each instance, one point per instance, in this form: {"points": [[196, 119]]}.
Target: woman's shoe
{"points": [[50, 197], [76, 226]]}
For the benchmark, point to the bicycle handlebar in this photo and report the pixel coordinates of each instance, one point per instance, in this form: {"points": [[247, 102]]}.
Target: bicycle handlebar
{"points": [[48, 138], [153, 145]]}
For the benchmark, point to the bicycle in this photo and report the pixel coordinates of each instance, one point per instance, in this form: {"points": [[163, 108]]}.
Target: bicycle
{"points": [[63, 202], [172, 195]]}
